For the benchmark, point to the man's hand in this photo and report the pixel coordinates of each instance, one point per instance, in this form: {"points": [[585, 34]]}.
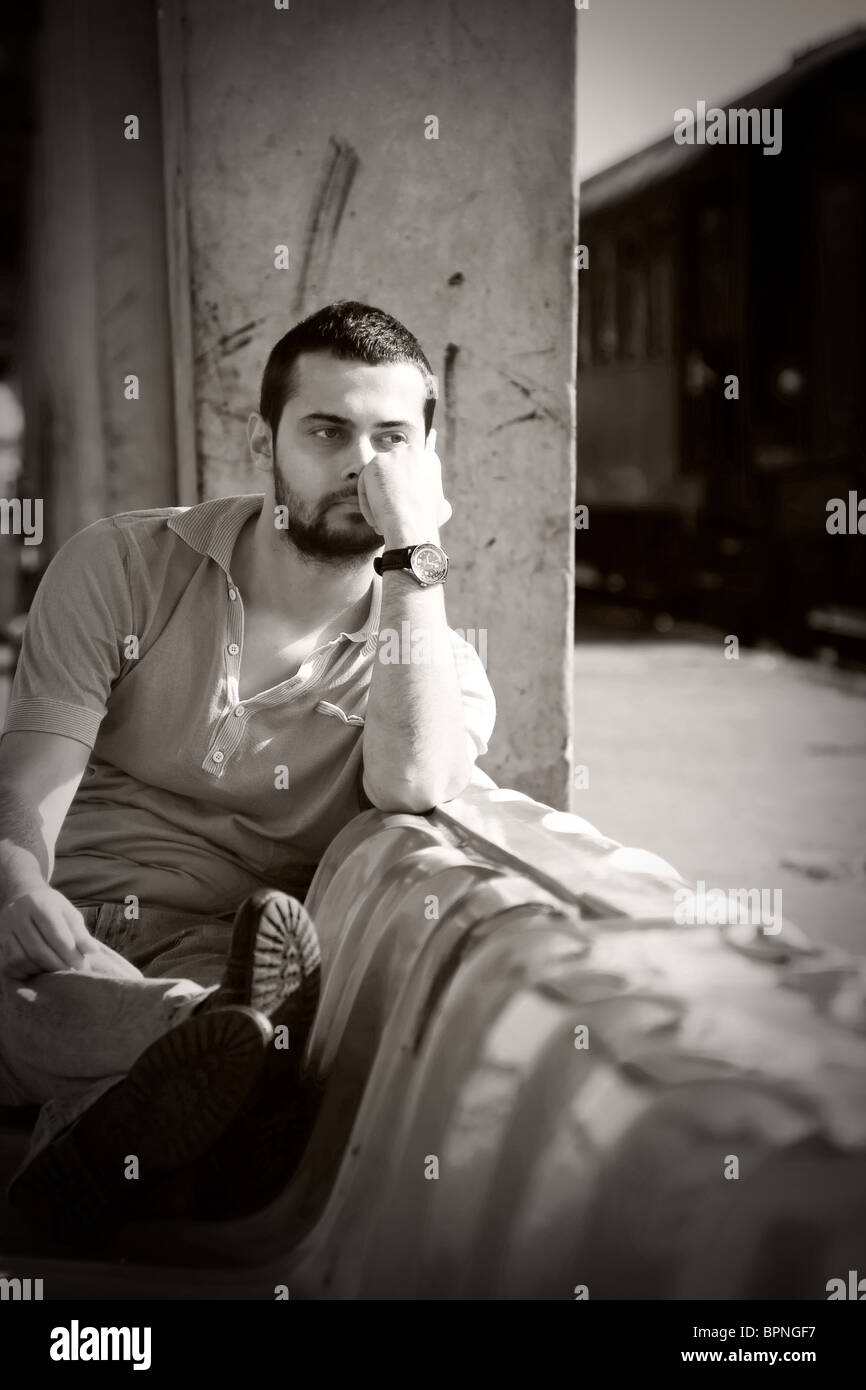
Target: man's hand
{"points": [[400, 495], [40, 930]]}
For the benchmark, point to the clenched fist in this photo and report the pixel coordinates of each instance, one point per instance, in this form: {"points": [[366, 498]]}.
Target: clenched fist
{"points": [[400, 495]]}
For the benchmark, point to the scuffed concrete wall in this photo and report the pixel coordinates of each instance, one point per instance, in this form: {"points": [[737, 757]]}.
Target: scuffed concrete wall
{"points": [[306, 127]]}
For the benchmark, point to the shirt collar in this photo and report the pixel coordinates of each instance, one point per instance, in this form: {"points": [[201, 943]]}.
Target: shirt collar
{"points": [[212, 528], [369, 633]]}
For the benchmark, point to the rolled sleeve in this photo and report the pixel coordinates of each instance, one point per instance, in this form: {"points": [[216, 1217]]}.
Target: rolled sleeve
{"points": [[74, 640], [479, 702]]}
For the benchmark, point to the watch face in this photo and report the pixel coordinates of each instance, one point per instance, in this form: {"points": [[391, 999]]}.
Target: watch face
{"points": [[429, 563]]}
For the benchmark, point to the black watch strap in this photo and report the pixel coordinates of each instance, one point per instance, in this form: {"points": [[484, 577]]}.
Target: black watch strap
{"points": [[393, 559], [426, 562]]}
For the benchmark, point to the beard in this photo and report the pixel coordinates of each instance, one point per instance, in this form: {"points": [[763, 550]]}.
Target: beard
{"points": [[324, 531]]}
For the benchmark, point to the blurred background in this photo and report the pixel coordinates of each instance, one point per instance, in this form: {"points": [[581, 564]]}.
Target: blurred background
{"points": [[742, 763]]}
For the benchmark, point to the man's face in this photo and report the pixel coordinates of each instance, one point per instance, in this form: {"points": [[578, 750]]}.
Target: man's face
{"points": [[340, 415]]}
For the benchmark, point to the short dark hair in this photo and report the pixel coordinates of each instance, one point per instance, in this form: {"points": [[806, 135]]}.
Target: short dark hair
{"points": [[353, 332]]}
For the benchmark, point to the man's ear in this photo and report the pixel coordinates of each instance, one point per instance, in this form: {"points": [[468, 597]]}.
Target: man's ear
{"points": [[260, 442]]}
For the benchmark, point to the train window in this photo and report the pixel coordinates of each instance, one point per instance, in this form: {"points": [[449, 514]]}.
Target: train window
{"points": [[661, 298], [840, 283], [634, 301], [719, 306], [584, 323], [606, 329]]}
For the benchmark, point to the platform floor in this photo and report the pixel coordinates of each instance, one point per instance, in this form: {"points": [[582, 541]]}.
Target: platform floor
{"points": [[747, 773]]}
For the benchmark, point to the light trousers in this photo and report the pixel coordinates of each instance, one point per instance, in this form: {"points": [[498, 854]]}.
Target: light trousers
{"points": [[67, 1036]]}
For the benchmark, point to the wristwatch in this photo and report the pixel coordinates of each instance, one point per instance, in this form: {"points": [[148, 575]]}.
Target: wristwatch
{"points": [[427, 562]]}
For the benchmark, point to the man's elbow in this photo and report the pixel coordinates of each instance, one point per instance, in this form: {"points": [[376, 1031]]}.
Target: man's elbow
{"points": [[416, 795], [406, 800]]}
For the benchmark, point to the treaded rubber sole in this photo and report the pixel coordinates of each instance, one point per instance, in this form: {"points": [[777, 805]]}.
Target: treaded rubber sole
{"points": [[259, 1153], [181, 1095], [275, 964]]}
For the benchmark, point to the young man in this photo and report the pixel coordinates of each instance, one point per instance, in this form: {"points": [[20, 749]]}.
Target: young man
{"points": [[200, 705]]}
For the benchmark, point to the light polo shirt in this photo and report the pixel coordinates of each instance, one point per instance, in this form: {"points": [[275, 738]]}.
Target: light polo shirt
{"points": [[193, 798]]}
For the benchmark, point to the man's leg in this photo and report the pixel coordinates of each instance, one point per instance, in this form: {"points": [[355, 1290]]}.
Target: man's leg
{"points": [[176, 1101], [65, 1037], [108, 1055], [189, 966], [273, 966]]}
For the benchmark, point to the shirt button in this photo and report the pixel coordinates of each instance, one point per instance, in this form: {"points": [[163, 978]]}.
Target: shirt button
{"points": [[233, 593], [239, 709], [234, 648], [218, 756]]}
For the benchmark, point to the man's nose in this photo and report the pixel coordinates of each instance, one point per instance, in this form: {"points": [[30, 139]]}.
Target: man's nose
{"points": [[358, 455]]}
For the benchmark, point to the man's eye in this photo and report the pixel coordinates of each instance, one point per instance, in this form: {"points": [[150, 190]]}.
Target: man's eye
{"points": [[394, 437], [328, 432]]}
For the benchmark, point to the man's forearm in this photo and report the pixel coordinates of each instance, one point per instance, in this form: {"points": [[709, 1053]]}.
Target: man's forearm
{"points": [[416, 750], [25, 862]]}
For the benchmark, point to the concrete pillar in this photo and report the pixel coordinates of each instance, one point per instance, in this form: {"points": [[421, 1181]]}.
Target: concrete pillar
{"points": [[307, 127], [97, 282]]}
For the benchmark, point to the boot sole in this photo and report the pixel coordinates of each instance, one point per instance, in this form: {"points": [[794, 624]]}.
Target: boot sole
{"points": [[179, 1098], [275, 963], [258, 1155]]}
